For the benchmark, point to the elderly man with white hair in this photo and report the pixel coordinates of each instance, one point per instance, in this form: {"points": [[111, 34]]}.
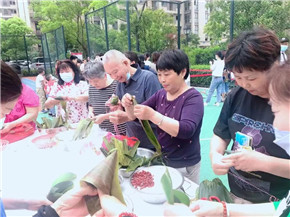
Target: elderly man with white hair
{"points": [[140, 83]]}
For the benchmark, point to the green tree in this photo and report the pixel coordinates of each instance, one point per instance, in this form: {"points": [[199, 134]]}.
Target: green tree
{"points": [[273, 15], [155, 30], [13, 32], [52, 14]]}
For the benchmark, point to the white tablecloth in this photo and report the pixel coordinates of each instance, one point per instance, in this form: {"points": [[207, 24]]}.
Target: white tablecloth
{"points": [[28, 172]]}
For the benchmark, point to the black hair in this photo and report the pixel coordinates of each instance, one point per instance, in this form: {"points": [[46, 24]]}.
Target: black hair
{"points": [[68, 64], [255, 50], [73, 57], [11, 86], [176, 60], [220, 54], [132, 56], [40, 70]]}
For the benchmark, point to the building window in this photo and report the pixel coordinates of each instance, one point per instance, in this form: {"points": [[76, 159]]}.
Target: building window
{"points": [[170, 6], [154, 5], [164, 4]]}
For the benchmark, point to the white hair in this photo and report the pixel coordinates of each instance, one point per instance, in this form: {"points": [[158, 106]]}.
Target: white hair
{"points": [[113, 55]]}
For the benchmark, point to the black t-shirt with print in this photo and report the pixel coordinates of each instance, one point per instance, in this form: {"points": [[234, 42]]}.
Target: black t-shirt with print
{"points": [[252, 115]]}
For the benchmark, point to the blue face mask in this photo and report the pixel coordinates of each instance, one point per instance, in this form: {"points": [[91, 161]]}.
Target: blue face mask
{"points": [[284, 48], [282, 139], [128, 76]]}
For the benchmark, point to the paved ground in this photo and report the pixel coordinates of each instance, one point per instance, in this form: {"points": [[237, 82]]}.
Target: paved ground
{"points": [[210, 117]]}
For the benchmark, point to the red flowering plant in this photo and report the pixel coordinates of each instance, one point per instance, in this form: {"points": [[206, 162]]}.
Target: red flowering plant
{"points": [[126, 148]]}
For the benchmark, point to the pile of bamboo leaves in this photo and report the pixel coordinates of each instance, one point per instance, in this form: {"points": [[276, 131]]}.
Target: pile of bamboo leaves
{"points": [[54, 122]]}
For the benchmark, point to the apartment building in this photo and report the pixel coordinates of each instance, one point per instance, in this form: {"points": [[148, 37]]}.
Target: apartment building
{"points": [[8, 9], [193, 15]]}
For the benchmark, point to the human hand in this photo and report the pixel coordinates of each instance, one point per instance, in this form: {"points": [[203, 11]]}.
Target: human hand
{"points": [[206, 208], [143, 112], [73, 203], [210, 62], [7, 127], [100, 118], [178, 209], [246, 160], [127, 101], [111, 206], [118, 117], [91, 115], [69, 98], [220, 165]]}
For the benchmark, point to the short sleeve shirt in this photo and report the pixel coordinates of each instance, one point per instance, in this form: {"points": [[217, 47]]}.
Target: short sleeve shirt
{"points": [[76, 110], [184, 149], [252, 115], [28, 98], [97, 100], [143, 84]]}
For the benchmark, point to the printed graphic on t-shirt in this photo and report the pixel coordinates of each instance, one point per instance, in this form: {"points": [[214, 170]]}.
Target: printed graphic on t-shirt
{"points": [[253, 129]]}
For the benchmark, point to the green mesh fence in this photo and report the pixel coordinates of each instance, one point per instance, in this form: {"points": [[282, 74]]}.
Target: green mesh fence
{"points": [[22, 50], [53, 46], [153, 26]]}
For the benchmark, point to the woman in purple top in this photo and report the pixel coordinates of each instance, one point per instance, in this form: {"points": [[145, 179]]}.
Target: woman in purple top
{"points": [[177, 110]]}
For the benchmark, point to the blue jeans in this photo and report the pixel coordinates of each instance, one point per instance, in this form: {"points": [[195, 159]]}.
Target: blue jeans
{"points": [[216, 83]]}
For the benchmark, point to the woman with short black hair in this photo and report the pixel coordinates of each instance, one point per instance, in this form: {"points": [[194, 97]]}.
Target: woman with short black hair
{"points": [[177, 110]]}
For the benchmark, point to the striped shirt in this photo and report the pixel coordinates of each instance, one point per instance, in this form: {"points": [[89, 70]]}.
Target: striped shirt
{"points": [[97, 100]]}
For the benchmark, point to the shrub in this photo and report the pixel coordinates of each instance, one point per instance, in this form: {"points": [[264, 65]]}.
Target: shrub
{"points": [[200, 81]]}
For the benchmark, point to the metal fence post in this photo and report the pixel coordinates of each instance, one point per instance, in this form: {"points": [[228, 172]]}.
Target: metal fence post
{"points": [[56, 43], [48, 53], [128, 24], [64, 44], [232, 20], [25, 45], [88, 37], [106, 29], [178, 25]]}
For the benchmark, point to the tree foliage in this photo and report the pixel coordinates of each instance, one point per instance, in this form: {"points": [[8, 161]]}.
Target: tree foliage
{"points": [[13, 32], [273, 15], [52, 14], [155, 30]]}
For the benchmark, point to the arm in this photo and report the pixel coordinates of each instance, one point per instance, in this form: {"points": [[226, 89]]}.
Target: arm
{"points": [[80, 98], [31, 115], [248, 160], [209, 208], [10, 203], [217, 150], [50, 102]]}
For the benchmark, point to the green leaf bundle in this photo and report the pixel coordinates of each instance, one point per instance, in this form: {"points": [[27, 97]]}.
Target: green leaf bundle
{"points": [[213, 188], [83, 129]]}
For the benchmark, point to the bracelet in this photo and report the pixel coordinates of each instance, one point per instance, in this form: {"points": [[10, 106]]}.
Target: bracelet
{"points": [[160, 122], [127, 214], [226, 212]]}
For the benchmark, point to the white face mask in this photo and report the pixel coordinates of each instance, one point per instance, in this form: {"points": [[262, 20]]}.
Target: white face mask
{"points": [[2, 123], [282, 139], [66, 77]]}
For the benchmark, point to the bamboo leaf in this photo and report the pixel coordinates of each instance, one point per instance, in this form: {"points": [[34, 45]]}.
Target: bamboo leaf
{"points": [[167, 186], [149, 132], [180, 197]]}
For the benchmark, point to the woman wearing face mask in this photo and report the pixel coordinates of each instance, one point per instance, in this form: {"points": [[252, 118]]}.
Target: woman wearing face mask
{"points": [[72, 90], [262, 174], [280, 102]]}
